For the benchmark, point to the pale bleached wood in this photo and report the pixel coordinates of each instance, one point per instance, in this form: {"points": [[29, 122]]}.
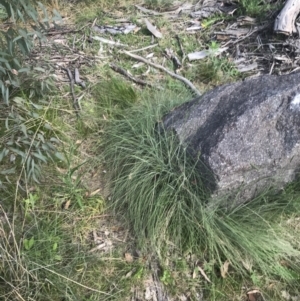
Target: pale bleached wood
{"points": [[285, 21], [174, 75]]}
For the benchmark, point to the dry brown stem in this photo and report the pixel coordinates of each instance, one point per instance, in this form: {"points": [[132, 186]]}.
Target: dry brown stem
{"points": [[174, 75]]}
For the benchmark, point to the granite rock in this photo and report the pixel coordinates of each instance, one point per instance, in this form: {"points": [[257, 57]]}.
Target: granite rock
{"points": [[247, 134]]}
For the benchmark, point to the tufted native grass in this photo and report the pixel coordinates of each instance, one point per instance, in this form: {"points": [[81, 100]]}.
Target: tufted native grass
{"points": [[155, 186]]}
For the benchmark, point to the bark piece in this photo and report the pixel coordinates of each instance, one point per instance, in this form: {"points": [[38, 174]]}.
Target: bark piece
{"points": [[153, 30], [204, 53], [285, 21]]}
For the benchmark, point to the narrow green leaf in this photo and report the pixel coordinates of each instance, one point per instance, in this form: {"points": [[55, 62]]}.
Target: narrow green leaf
{"points": [[2, 88], [32, 15], [19, 100], [26, 244], [23, 129], [38, 107], [46, 17], [8, 171], [41, 137], [45, 147], [15, 83], [17, 63], [55, 140], [6, 96], [2, 70], [35, 115], [57, 16], [12, 13], [40, 156], [3, 153], [23, 70], [6, 7], [31, 242], [8, 66], [60, 156], [18, 152], [20, 15], [28, 162], [24, 45], [2, 59], [76, 168], [23, 33], [51, 146], [58, 257], [39, 69], [35, 178], [55, 245]]}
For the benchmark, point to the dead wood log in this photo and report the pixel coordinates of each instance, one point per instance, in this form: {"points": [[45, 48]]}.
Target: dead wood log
{"points": [[285, 21]]}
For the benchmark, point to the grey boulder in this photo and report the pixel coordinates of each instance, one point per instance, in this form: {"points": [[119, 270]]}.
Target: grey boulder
{"points": [[247, 134]]}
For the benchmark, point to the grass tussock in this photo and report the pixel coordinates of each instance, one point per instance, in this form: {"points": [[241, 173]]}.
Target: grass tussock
{"points": [[155, 184]]}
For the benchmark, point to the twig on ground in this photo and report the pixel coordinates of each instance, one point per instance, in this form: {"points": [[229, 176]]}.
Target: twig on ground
{"points": [[203, 274], [183, 55], [144, 48], [54, 32], [172, 74], [106, 41], [251, 32], [176, 62], [148, 11], [71, 280], [126, 74], [75, 100], [78, 81]]}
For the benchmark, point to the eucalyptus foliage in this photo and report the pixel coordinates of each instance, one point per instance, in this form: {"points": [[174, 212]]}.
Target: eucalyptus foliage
{"points": [[26, 139]]}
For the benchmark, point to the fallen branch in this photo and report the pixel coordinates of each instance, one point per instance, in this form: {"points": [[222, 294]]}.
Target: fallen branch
{"points": [[250, 33], [128, 75], [72, 81], [144, 48], [77, 79], [172, 74], [285, 21], [106, 41], [181, 48]]}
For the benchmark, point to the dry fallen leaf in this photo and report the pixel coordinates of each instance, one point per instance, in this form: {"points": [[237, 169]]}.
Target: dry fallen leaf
{"points": [[203, 274], [224, 268], [285, 295], [95, 192], [14, 71], [153, 30], [129, 274], [254, 295], [67, 204], [194, 275], [204, 53], [98, 247], [128, 257]]}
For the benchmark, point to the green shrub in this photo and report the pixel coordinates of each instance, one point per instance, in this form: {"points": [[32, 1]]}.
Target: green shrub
{"points": [[26, 138]]}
